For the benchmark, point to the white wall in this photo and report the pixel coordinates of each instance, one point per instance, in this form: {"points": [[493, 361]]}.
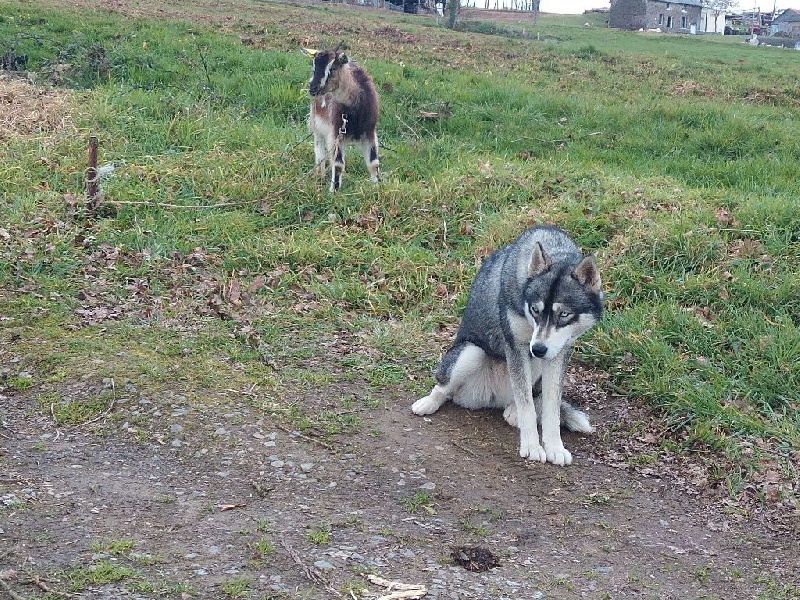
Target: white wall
{"points": [[710, 24]]}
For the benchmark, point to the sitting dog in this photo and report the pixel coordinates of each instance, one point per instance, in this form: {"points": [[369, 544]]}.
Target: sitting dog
{"points": [[528, 304]]}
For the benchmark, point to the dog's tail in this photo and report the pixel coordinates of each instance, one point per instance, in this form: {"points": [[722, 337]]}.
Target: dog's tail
{"points": [[574, 419]]}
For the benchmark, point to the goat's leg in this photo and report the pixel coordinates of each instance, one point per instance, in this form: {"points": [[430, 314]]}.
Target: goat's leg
{"points": [[369, 148], [320, 155], [337, 169]]}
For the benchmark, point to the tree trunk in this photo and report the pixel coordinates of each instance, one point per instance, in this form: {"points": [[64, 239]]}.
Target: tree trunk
{"points": [[453, 7]]}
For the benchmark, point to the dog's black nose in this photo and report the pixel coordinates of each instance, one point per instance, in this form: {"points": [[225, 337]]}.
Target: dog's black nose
{"points": [[539, 350]]}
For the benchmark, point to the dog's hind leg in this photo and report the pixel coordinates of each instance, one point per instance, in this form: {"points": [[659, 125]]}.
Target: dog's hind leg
{"points": [[510, 415], [454, 374]]}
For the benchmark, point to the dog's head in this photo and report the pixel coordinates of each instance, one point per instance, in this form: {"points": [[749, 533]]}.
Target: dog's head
{"points": [[562, 301]]}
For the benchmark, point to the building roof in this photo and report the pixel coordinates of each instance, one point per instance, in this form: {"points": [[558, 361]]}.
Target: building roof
{"points": [[687, 2], [788, 16]]}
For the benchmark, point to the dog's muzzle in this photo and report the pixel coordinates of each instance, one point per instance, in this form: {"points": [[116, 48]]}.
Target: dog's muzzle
{"points": [[538, 350]]}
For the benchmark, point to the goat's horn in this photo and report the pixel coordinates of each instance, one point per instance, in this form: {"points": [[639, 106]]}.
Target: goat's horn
{"points": [[310, 52]]}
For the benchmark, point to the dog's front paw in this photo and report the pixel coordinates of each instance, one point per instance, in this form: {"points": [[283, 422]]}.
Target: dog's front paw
{"points": [[558, 455], [426, 406], [529, 447], [533, 452]]}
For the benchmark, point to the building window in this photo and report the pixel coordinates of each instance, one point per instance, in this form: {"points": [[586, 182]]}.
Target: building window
{"points": [[661, 19], [667, 5], [683, 22], [669, 22]]}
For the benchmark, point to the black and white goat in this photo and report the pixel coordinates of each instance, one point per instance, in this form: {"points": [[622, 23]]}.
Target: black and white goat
{"points": [[344, 110]]}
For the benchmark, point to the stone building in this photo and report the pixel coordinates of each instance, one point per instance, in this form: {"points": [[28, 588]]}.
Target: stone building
{"points": [[671, 17], [787, 23]]}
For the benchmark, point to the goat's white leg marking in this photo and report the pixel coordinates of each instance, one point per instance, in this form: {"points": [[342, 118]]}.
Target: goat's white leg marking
{"points": [[369, 148], [320, 154], [552, 377], [337, 165]]}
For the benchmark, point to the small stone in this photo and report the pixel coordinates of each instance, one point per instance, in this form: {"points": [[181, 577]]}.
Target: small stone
{"points": [[604, 569], [428, 486], [323, 565], [306, 467]]}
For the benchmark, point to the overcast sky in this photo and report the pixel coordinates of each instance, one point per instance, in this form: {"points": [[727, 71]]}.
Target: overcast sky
{"points": [[571, 7]]}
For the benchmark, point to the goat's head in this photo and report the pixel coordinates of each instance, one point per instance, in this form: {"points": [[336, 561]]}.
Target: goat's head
{"points": [[326, 65]]}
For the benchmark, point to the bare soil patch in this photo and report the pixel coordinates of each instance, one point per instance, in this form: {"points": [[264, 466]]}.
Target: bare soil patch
{"points": [[224, 494]]}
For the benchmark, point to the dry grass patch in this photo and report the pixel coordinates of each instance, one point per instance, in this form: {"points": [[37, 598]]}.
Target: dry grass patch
{"points": [[27, 110]]}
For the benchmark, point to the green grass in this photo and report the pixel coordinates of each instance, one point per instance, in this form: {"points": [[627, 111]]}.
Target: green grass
{"points": [[673, 158], [320, 534], [419, 501], [113, 547], [100, 573]]}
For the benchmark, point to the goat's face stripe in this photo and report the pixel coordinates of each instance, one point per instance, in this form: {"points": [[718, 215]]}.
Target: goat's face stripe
{"points": [[323, 64]]}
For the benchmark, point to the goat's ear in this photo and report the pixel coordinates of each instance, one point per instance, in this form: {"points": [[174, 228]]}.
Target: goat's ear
{"points": [[342, 59], [310, 52]]}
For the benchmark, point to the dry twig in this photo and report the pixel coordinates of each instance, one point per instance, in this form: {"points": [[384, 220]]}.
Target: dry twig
{"points": [[407, 591], [310, 572], [5, 587]]}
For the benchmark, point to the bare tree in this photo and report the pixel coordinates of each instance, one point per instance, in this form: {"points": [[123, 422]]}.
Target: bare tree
{"points": [[718, 7]]}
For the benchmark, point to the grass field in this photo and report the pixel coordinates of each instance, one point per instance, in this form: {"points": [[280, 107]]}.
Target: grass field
{"points": [[216, 257]]}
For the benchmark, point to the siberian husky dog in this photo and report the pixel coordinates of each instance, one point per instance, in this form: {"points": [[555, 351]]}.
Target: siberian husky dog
{"points": [[528, 304]]}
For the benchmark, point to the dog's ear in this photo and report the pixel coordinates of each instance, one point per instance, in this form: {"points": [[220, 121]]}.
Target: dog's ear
{"points": [[588, 275], [540, 262]]}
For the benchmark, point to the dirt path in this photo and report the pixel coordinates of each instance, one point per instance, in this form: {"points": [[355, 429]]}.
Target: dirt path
{"points": [[229, 503]]}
